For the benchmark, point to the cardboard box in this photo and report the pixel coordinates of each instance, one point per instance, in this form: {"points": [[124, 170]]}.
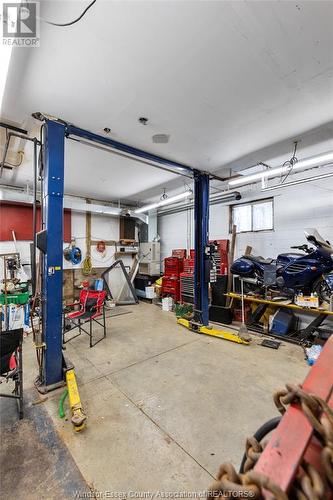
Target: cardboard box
{"points": [[307, 301]]}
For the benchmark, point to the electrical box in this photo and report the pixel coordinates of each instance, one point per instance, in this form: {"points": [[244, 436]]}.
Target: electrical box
{"points": [[127, 249], [150, 252]]}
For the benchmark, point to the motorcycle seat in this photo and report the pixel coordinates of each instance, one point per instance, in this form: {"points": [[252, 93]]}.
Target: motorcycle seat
{"points": [[258, 259]]}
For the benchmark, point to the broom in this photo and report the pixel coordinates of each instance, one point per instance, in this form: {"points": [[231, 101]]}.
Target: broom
{"points": [[243, 331]]}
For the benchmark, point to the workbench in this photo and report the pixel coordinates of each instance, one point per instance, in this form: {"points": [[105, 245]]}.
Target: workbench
{"points": [[301, 337]]}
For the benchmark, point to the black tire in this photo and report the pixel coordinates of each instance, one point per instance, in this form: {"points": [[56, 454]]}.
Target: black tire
{"points": [[262, 432], [322, 289]]}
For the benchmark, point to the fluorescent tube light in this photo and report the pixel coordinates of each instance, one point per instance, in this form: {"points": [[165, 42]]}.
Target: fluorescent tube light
{"points": [[247, 179], [5, 55], [225, 196], [313, 161], [161, 203], [298, 181]]}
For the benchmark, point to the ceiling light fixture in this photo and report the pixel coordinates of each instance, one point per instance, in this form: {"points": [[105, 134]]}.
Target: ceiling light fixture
{"points": [[161, 138], [298, 181], [166, 201], [313, 161]]}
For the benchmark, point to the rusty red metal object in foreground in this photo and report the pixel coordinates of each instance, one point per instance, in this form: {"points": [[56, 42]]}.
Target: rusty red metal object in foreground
{"points": [[292, 440]]}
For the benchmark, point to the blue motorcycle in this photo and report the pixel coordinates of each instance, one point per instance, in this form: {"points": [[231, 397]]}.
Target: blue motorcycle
{"points": [[290, 273]]}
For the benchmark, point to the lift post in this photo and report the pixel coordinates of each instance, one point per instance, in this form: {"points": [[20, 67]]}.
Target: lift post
{"points": [[201, 229], [200, 322], [53, 194]]}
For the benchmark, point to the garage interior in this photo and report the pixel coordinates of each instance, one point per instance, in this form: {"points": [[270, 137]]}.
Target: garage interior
{"points": [[165, 249]]}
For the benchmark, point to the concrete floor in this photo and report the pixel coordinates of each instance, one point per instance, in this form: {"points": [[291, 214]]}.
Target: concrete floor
{"points": [[166, 406]]}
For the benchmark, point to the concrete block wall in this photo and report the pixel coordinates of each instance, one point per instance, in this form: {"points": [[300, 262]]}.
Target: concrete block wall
{"points": [[295, 209]]}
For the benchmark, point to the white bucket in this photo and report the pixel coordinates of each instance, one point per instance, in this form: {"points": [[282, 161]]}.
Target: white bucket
{"points": [[110, 304], [150, 292], [167, 304]]}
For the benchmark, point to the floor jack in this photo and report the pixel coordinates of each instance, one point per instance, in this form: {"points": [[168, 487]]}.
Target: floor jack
{"points": [[214, 332], [78, 417]]}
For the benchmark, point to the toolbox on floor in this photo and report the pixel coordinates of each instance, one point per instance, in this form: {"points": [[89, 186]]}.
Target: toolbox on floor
{"points": [[283, 322]]}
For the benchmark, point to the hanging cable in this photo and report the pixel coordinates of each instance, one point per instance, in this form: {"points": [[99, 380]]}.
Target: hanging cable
{"points": [[290, 164], [75, 20], [16, 164]]}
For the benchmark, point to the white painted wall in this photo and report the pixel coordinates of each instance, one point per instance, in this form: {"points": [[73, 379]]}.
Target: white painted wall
{"points": [[103, 227], [176, 231]]}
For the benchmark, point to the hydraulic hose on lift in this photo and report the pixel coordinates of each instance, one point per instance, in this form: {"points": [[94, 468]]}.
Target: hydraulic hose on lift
{"points": [[61, 403]]}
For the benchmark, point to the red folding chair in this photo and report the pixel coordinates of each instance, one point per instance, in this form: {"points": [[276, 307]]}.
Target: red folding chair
{"points": [[11, 361], [91, 307]]}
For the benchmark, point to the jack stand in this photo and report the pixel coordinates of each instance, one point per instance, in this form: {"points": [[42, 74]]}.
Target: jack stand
{"points": [[78, 417], [207, 330]]}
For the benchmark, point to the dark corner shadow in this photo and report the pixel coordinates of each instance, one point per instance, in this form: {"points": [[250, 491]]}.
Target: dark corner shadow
{"points": [[33, 444]]}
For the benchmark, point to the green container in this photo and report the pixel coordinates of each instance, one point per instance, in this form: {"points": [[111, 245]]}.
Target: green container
{"points": [[15, 298], [182, 310]]}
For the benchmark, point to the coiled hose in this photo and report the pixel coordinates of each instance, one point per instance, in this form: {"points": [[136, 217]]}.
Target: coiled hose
{"points": [[87, 266]]}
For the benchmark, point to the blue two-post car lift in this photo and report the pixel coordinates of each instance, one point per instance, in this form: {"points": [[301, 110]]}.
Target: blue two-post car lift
{"points": [[55, 133]]}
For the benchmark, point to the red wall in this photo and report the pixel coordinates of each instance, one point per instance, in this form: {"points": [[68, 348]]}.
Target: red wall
{"points": [[18, 217]]}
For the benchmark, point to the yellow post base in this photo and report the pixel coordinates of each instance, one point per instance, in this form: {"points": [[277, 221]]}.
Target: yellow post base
{"points": [[78, 417], [223, 334]]}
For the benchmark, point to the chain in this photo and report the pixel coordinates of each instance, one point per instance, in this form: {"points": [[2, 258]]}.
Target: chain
{"points": [[229, 484], [313, 406], [308, 485]]}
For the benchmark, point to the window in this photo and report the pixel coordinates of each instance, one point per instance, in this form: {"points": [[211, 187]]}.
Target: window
{"points": [[255, 216]]}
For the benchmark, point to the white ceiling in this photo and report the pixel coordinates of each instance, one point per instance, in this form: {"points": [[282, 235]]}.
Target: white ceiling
{"points": [[223, 79]]}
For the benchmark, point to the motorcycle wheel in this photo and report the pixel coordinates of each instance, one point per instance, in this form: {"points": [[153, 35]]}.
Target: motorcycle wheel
{"points": [[322, 289]]}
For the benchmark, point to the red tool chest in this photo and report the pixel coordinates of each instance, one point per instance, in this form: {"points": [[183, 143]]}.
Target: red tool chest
{"points": [[188, 266], [221, 256], [173, 266], [170, 287], [187, 287]]}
